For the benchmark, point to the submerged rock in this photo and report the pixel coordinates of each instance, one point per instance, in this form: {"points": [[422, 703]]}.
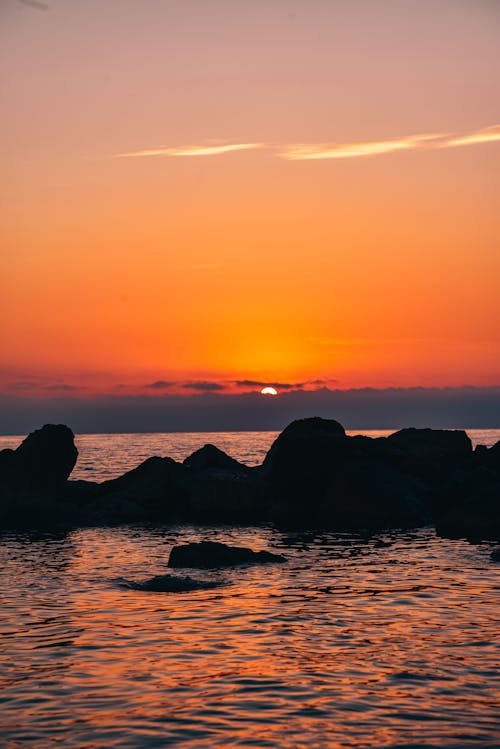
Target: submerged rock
{"points": [[172, 584], [211, 554]]}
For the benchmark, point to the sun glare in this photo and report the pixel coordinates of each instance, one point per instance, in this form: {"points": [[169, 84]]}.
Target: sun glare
{"points": [[269, 391]]}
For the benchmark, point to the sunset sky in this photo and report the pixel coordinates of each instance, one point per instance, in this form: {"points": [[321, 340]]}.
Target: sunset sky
{"points": [[210, 195]]}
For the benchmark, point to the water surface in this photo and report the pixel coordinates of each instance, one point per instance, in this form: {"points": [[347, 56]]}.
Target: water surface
{"points": [[382, 641]]}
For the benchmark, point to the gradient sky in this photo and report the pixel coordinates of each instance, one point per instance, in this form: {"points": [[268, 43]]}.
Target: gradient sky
{"points": [[207, 194]]}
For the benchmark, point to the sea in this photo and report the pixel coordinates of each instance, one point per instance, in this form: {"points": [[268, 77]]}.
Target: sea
{"points": [[385, 640]]}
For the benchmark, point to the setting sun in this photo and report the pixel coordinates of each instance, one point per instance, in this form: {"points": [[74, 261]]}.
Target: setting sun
{"points": [[269, 391]]}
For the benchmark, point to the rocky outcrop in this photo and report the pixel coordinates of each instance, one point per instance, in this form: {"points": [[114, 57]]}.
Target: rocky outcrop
{"points": [[42, 462], [222, 490], [299, 466], [432, 443], [210, 554], [314, 476], [319, 477], [154, 490]]}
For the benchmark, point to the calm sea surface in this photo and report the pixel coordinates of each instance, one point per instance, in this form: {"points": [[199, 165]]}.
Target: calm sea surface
{"points": [[348, 644]]}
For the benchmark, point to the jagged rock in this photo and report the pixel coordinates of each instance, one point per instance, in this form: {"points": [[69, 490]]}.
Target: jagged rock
{"points": [[210, 554], [171, 584]]}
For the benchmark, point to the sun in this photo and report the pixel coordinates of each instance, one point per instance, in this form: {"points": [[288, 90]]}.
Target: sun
{"points": [[269, 391]]}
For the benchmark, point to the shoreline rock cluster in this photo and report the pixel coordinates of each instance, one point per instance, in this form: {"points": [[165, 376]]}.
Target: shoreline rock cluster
{"points": [[314, 476]]}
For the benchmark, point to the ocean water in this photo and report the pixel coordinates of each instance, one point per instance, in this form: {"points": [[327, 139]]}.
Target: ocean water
{"points": [[351, 643]]}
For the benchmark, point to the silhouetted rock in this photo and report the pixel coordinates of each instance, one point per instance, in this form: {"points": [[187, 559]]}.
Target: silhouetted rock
{"points": [[209, 459], [172, 584], [432, 443], [222, 490], [299, 465], [42, 462], [495, 555], [366, 493], [475, 514], [153, 490], [210, 554]]}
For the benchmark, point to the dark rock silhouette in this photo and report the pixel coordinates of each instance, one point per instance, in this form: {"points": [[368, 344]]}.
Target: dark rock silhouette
{"points": [[314, 476], [43, 461], [495, 555], [432, 443], [210, 554], [366, 493], [153, 490], [299, 465], [222, 490], [172, 584], [210, 460]]}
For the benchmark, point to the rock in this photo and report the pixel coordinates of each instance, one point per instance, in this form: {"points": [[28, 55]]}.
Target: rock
{"points": [[209, 459], [432, 443], [471, 507], [299, 465], [221, 489], [476, 518], [157, 486], [495, 555], [171, 584], [43, 461], [225, 499], [210, 554], [489, 457], [321, 478], [366, 493]]}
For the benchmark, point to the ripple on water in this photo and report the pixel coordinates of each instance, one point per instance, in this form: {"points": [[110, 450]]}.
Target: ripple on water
{"points": [[337, 648]]}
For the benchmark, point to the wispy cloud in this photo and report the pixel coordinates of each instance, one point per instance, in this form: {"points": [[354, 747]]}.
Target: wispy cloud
{"points": [[486, 135], [319, 151], [194, 150], [304, 152]]}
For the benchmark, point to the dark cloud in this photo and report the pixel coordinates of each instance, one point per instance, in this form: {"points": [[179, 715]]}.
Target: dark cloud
{"points": [[205, 387], [277, 385], [322, 382], [62, 387], [365, 408], [159, 385]]}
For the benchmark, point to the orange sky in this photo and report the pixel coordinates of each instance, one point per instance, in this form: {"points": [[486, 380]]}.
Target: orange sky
{"points": [[350, 234]]}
